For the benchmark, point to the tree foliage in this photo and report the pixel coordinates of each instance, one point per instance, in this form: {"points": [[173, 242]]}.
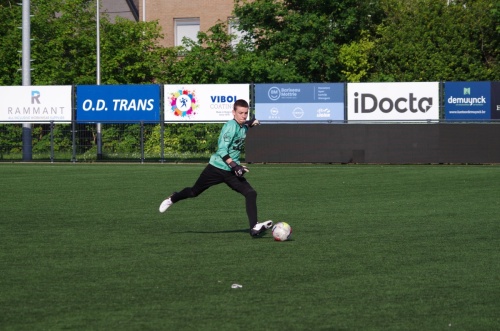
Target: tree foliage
{"points": [[10, 43], [205, 60], [285, 41], [355, 59], [428, 40], [64, 43], [306, 35]]}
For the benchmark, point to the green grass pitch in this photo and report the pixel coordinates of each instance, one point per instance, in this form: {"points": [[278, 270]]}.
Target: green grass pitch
{"points": [[83, 246]]}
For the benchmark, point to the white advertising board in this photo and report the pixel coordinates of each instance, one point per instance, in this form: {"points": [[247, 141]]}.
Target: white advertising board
{"points": [[393, 101], [40, 104], [202, 102]]}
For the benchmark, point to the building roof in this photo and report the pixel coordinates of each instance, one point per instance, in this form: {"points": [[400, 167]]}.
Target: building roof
{"points": [[124, 8]]}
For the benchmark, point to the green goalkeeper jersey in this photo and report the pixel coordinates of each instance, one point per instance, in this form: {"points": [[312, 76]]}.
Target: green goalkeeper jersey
{"points": [[231, 142]]}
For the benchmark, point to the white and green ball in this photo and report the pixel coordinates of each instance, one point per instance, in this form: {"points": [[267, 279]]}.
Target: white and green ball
{"points": [[282, 231]]}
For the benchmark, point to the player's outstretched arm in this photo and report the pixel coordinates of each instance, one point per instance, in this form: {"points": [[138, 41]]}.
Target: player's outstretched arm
{"points": [[252, 122]]}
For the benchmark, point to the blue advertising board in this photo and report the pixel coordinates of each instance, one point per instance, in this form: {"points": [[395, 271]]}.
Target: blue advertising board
{"points": [[467, 100], [118, 103], [300, 102]]}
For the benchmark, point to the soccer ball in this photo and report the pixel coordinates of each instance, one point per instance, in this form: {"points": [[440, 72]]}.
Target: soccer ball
{"points": [[282, 231]]}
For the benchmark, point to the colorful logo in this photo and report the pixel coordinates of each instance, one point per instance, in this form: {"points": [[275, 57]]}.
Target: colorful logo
{"points": [[35, 96], [183, 103]]}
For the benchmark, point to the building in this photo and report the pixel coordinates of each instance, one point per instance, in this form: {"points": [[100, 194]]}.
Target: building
{"points": [[177, 19], [180, 19], [128, 9]]}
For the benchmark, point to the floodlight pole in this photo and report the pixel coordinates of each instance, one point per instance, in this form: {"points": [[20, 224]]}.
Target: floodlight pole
{"points": [[98, 44], [26, 69], [144, 10], [98, 71]]}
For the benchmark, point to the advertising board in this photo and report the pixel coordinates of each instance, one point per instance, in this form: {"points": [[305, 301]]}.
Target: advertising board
{"points": [[118, 103], [42, 104], [495, 100], [393, 101], [202, 102], [467, 100], [299, 102]]}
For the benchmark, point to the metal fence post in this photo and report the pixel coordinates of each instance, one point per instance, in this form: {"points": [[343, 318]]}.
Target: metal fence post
{"points": [[73, 141], [162, 129], [162, 142], [51, 141], [142, 141]]}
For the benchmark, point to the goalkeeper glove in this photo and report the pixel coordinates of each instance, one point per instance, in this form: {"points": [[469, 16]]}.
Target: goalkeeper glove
{"points": [[238, 170], [252, 122]]}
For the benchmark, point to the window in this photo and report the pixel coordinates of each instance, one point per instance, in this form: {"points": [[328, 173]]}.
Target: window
{"points": [[233, 30], [186, 27]]}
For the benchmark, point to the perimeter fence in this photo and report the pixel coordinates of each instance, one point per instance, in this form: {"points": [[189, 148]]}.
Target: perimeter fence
{"points": [[120, 142], [181, 122]]}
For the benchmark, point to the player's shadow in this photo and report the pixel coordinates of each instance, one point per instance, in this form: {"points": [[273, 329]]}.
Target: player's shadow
{"points": [[220, 231]]}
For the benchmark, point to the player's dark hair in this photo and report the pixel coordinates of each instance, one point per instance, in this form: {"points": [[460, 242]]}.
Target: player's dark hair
{"points": [[240, 103]]}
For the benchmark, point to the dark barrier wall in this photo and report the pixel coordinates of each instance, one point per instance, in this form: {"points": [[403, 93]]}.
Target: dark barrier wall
{"points": [[374, 143]]}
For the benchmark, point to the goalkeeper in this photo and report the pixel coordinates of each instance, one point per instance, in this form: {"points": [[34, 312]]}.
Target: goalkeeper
{"points": [[224, 167]]}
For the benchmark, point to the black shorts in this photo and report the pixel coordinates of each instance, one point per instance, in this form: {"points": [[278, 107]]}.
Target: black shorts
{"points": [[211, 176]]}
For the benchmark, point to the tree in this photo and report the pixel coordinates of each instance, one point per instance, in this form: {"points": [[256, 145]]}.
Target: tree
{"points": [[213, 58], [355, 58], [306, 35], [10, 43], [131, 53], [205, 60], [63, 46], [428, 40], [64, 42]]}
